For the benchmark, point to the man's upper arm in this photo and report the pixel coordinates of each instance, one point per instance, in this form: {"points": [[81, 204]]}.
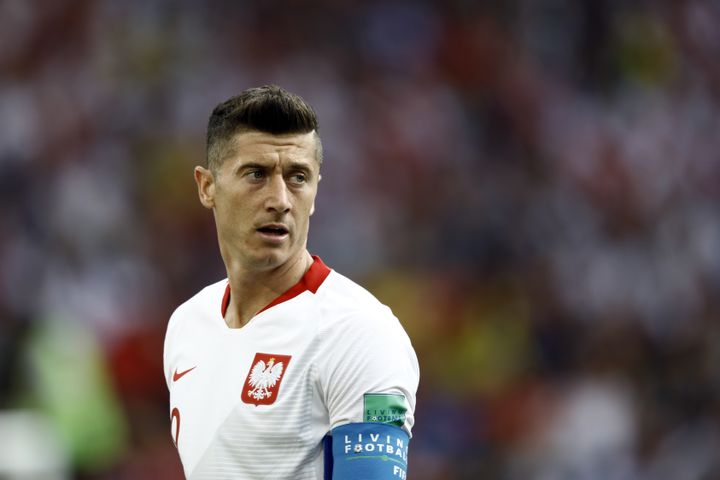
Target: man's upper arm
{"points": [[370, 381]]}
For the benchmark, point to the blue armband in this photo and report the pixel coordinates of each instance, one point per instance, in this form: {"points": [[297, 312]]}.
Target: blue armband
{"points": [[369, 451]]}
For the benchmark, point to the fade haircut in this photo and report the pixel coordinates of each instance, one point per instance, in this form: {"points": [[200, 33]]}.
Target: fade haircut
{"points": [[268, 109]]}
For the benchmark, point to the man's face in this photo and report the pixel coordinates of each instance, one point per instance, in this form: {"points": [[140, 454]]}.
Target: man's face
{"points": [[262, 196]]}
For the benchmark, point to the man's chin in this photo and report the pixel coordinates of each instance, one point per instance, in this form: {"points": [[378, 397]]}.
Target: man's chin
{"points": [[269, 259], [265, 258]]}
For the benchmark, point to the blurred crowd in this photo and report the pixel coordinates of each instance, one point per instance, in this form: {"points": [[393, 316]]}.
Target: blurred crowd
{"points": [[532, 186]]}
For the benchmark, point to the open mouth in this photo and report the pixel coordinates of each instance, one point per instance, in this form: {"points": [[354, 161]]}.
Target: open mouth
{"points": [[277, 230]]}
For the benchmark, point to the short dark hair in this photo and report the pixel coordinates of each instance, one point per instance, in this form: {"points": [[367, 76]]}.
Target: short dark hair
{"points": [[268, 109]]}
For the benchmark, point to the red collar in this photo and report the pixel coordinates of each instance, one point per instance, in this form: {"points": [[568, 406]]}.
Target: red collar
{"points": [[311, 281]]}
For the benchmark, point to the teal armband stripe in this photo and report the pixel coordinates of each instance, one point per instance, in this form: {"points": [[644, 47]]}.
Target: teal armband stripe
{"points": [[372, 451]]}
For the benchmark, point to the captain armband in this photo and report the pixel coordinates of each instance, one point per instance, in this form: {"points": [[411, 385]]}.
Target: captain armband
{"points": [[369, 451]]}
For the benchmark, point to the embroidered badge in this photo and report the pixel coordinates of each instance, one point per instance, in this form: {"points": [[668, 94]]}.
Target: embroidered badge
{"points": [[384, 408], [263, 380]]}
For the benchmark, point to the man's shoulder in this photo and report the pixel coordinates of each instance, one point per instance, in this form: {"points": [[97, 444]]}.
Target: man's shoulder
{"points": [[189, 319], [346, 304], [202, 302], [339, 290]]}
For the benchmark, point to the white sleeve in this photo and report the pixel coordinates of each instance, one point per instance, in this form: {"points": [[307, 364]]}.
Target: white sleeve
{"points": [[369, 372]]}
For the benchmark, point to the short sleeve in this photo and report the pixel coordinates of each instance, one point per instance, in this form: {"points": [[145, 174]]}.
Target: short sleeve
{"points": [[370, 371]]}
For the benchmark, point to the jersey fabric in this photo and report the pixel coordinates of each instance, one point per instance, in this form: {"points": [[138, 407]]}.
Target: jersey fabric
{"points": [[258, 401]]}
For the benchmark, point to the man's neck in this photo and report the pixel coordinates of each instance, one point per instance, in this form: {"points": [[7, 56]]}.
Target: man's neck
{"points": [[252, 290]]}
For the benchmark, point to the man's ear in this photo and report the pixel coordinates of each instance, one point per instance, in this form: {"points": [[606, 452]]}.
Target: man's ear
{"points": [[206, 186]]}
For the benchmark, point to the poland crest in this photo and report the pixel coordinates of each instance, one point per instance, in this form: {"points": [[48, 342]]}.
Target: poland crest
{"points": [[263, 380]]}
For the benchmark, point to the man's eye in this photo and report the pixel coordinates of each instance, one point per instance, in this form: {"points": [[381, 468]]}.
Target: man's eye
{"points": [[299, 178], [256, 174]]}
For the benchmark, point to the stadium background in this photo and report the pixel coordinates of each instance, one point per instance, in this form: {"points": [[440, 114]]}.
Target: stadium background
{"points": [[533, 187]]}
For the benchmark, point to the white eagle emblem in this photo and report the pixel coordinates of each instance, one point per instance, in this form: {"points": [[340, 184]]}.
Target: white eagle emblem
{"points": [[263, 377]]}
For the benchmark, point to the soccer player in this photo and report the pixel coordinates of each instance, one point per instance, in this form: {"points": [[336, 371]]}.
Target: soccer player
{"points": [[286, 369]]}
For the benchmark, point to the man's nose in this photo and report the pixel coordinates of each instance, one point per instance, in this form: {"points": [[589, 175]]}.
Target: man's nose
{"points": [[278, 196]]}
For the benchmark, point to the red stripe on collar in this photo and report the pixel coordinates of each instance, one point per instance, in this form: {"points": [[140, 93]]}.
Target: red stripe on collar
{"points": [[311, 281]]}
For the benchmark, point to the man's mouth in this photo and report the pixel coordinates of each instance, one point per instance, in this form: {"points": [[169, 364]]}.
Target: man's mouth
{"points": [[278, 230]]}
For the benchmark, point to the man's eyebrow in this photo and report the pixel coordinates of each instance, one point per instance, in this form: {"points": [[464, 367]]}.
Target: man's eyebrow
{"points": [[254, 164], [300, 166]]}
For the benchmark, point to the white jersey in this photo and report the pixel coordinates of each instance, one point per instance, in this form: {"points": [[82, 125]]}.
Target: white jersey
{"points": [[256, 402]]}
